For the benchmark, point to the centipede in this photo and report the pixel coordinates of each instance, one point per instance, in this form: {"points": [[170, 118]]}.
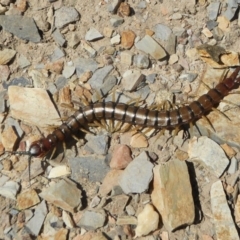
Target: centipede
{"points": [[134, 115]]}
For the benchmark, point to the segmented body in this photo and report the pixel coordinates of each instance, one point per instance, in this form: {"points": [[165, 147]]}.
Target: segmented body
{"points": [[137, 115]]}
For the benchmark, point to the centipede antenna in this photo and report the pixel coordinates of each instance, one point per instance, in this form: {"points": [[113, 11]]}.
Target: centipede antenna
{"points": [[29, 170]]}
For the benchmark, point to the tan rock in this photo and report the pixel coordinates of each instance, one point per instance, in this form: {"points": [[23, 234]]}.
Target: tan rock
{"points": [[171, 180], [121, 157], [107, 32], [4, 72], [124, 9], [207, 32], [6, 55], [192, 54], [148, 221], [230, 59], [27, 199], [149, 32], [65, 97], [55, 67], [59, 171], [9, 138], [127, 39], [21, 5], [138, 140], [173, 59], [33, 106], [223, 23], [126, 220], [228, 150]]}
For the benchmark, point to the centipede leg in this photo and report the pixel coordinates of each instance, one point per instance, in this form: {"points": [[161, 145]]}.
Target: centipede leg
{"points": [[209, 122], [222, 113]]}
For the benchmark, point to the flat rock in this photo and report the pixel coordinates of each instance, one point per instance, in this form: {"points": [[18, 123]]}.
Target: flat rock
{"points": [[141, 61], [98, 143], [34, 225], [23, 62], [22, 27], [109, 182], [9, 138], [171, 180], [85, 65], [59, 171], [116, 21], [27, 199], [121, 157], [6, 55], [97, 79], [126, 220], [4, 72], [213, 9], [9, 189], [118, 204], [131, 79], [137, 176], [63, 194], [209, 153], [162, 31], [91, 167], [93, 34], [113, 6], [148, 221], [92, 220], [127, 39], [66, 15], [58, 37], [150, 46], [224, 224], [33, 106]]}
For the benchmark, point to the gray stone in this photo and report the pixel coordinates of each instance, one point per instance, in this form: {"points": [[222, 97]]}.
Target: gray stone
{"points": [[36, 169], [61, 82], [66, 15], [22, 27], [3, 95], [91, 167], [176, 16], [189, 76], [113, 5], [34, 225], [59, 38], [212, 10], [142, 93], [209, 153], [108, 84], [63, 194], [116, 21], [97, 79], [93, 34], [137, 176], [218, 33], [98, 143], [178, 31], [148, 45], [23, 82], [151, 77], [57, 54], [23, 61], [162, 32], [13, 122], [68, 71], [142, 5], [211, 24], [170, 46], [9, 189], [84, 65], [92, 220], [233, 166], [222, 217], [231, 9], [141, 61]]}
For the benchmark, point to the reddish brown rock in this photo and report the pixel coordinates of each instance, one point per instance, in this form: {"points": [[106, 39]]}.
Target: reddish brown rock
{"points": [[121, 157], [127, 39], [27, 199]]}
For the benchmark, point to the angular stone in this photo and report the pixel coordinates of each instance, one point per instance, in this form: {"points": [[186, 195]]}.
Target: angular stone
{"points": [[118, 204], [115, 40], [9, 189], [162, 31], [67, 219], [126, 57], [88, 48], [138, 140], [121, 157], [32, 104], [127, 39], [98, 144], [6, 55], [171, 180], [97, 80], [209, 153], [222, 217], [92, 220], [65, 15], [63, 194], [213, 9], [137, 176], [116, 21], [141, 61], [59, 171], [126, 220], [131, 79], [113, 6], [58, 37], [90, 167], [9, 138], [85, 65], [150, 46], [22, 27], [34, 225], [148, 221], [93, 34], [23, 61], [27, 199]]}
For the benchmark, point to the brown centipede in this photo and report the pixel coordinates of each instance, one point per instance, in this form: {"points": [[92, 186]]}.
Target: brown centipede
{"points": [[164, 119]]}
